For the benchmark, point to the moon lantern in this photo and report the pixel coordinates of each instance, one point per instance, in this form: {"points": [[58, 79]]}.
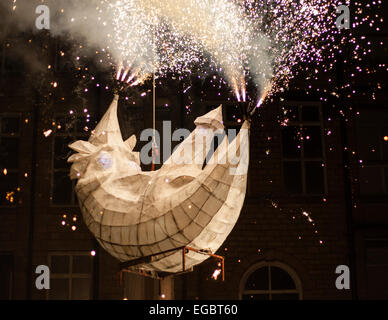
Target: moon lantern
{"points": [[134, 213]]}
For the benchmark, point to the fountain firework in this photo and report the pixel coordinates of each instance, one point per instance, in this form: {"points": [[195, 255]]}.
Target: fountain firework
{"points": [[260, 42], [257, 41]]}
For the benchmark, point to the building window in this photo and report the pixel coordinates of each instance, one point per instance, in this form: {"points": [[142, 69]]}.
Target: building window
{"points": [[270, 281], [71, 276], [12, 56], [2, 58], [6, 266], [376, 268], [9, 159], [304, 169], [372, 140], [63, 51], [67, 130]]}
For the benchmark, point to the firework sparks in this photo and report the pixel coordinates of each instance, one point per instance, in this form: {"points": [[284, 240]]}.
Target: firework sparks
{"points": [[173, 35], [216, 273], [258, 41], [262, 44]]}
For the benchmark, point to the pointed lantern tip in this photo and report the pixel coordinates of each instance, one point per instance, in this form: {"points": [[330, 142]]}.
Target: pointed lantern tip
{"points": [[108, 129], [212, 118]]}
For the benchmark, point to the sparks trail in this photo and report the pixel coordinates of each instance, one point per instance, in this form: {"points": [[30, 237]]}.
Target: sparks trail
{"points": [[264, 43]]}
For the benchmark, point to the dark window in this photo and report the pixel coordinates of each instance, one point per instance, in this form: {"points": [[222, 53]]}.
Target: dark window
{"points": [[60, 264], [372, 180], [293, 176], [71, 276], [310, 113], [302, 147], [82, 264], [13, 59], [9, 159], [291, 142], [62, 151], [312, 142], [9, 152], [10, 125], [63, 188], [63, 62], [67, 130], [377, 268], [372, 142], [81, 289], [59, 289], [270, 282], [258, 280], [281, 279], [9, 189], [6, 265], [314, 177]]}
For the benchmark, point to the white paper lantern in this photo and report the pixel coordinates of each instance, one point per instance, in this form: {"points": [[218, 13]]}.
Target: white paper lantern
{"points": [[133, 213]]}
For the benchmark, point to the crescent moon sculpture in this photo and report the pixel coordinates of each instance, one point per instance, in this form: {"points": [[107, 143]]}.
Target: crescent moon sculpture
{"points": [[134, 213]]}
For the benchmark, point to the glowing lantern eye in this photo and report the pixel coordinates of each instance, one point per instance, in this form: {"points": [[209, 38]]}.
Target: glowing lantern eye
{"points": [[105, 161]]}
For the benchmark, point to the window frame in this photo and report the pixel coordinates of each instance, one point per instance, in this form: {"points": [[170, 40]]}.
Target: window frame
{"points": [[70, 275], [262, 264], [302, 159]]}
